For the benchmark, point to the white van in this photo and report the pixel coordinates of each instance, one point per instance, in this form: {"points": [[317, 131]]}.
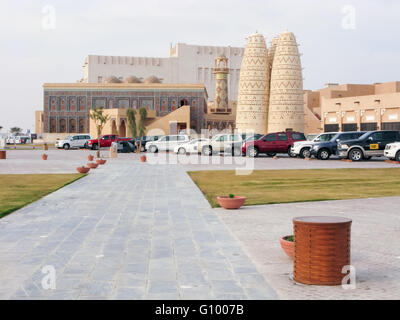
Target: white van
{"points": [[75, 141], [167, 143]]}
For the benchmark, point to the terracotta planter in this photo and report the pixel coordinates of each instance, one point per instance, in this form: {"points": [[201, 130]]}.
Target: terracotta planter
{"points": [[231, 203], [90, 157], [143, 158], [276, 158], [92, 165], [44, 156], [83, 169], [287, 246], [101, 161], [3, 155]]}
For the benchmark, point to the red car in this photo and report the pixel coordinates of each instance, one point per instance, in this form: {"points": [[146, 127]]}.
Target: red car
{"points": [[272, 143], [105, 141]]}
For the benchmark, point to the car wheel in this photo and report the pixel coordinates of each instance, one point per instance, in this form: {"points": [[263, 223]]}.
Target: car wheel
{"points": [[323, 154], [271, 154], [397, 158], [236, 152], [252, 152], [207, 151], [290, 153], [94, 146], [182, 151], [66, 146], [153, 149], [305, 153], [356, 154]]}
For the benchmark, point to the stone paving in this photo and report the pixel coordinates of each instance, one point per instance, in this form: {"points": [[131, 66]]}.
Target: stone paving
{"points": [[126, 231], [375, 248]]}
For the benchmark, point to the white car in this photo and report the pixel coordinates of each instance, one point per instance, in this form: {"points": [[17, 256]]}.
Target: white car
{"points": [[190, 147], [392, 151], [231, 143], [303, 148], [75, 141], [167, 143]]}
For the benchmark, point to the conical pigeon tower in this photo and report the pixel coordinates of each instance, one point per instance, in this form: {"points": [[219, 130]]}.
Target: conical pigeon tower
{"points": [[286, 107], [253, 97]]}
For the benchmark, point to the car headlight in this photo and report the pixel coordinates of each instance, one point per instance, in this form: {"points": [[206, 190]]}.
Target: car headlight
{"points": [[315, 147]]}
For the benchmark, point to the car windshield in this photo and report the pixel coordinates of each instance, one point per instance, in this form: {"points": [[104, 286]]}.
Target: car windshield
{"points": [[325, 137], [365, 135], [68, 138], [311, 137], [254, 138]]}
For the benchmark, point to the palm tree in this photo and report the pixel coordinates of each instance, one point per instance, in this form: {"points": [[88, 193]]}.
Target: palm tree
{"points": [[1, 128], [100, 119], [142, 125], [132, 123], [15, 130]]}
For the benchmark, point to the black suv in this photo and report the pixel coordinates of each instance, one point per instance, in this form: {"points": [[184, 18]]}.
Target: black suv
{"points": [[323, 150], [370, 144]]}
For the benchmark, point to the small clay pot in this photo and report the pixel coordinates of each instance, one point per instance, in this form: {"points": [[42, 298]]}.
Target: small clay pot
{"points": [[3, 155], [231, 203], [92, 165], [275, 158], [143, 158], [83, 169], [44, 156], [287, 246], [101, 161], [90, 157]]}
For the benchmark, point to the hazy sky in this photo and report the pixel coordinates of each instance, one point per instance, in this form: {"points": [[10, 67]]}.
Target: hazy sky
{"points": [[353, 41]]}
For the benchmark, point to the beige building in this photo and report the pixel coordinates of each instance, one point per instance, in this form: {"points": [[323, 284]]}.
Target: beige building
{"points": [[355, 107]]}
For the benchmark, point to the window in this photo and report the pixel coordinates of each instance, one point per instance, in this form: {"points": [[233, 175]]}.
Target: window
{"points": [[235, 137], [181, 138], [377, 136], [173, 138], [390, 136], [298, 136], [75, 138], [344, 137], [223, 138], [282, 137], [106, 138], [270, 137]]}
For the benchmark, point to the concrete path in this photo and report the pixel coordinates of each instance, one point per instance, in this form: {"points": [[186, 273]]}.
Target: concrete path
{"points": [[375, 251], [126, 231]]}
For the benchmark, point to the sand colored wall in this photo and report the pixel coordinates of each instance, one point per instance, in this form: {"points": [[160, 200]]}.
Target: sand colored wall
{"points": [[163, 125], [39, 122], [311, 123]]}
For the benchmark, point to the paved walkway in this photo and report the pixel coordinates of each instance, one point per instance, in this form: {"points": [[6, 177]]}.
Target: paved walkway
{"points": [[126, 231], [375, 251]]}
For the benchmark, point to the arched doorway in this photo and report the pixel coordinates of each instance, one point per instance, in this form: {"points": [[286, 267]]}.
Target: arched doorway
{"points": [[81, 126], [72, 125], [63, 126], [53, 126], [122, 129]]}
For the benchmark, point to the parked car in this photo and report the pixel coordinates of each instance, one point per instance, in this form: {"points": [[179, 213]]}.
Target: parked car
{"points": [[324, 150], [392, 151], [145, 140], [189, 147], [370, 144], [126, 146], [303, 148], [73, 141], [222, 143], [272, 143], [105, 141], [167, 143]]}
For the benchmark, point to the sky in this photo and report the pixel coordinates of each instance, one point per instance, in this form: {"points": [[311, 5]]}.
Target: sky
{"points": [[352, 41]]}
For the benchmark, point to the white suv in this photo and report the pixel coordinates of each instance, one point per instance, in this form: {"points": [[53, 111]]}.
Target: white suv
{"points": [[167, 143], [392, 151], [303, 148], [75, 141], [231, 143]]}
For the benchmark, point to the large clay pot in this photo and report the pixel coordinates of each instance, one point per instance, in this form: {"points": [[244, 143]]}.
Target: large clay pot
{"points": [[92, 165], [287, 246], [90, 157], [143, 158], [3, 155], [231, 203], [101, 161], [44, 156], [83, 169]]}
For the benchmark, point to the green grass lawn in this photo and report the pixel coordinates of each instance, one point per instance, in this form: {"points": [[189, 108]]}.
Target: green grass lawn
{"points": [[284, 186], [18, 190]]}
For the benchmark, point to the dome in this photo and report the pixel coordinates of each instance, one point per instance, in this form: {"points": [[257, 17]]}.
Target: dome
{"points": [[113, 79], [152, 79], [132, 79]]}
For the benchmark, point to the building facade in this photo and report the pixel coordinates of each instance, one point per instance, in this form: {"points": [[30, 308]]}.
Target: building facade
{"points": [[186, 64], [66, 107], [356, 107]]}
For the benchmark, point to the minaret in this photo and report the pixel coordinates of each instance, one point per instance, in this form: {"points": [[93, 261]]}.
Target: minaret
{"points": [[253, 97], [221, 72], [286, 107]]}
